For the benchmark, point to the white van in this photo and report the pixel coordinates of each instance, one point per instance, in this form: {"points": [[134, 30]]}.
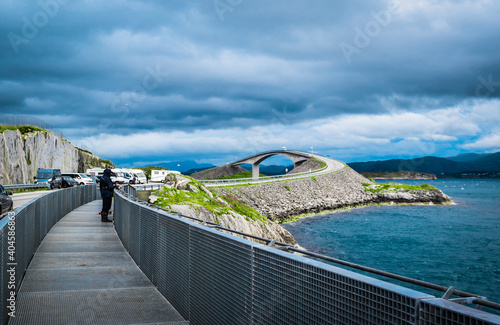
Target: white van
{"points": [[81, 178], [158, 175], [118, 176]]}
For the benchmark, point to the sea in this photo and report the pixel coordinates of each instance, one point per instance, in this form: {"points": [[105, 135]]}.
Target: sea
{"points": [[451, 245]]}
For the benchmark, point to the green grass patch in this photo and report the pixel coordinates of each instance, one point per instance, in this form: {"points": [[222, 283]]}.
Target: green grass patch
{"points": [[288, 188], [108, 163], [23, 129], [314, 178], [171, 196], [395, 187]]}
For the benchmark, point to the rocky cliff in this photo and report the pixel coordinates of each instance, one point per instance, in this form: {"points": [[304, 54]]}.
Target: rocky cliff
{"points": [[189, 197], [281, 200], [22, 154]]}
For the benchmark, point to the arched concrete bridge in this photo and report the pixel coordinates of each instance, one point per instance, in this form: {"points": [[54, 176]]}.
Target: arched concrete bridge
{"points": [[298, 157]]}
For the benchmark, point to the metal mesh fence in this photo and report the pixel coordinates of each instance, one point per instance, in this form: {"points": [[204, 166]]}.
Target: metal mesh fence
{"points": [[440, 311], [31, 223], [214, 278]]}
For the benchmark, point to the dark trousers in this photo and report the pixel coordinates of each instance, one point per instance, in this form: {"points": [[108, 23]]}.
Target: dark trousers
{"points": [[106, 204]]}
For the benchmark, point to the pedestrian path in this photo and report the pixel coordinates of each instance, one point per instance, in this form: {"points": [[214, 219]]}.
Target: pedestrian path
{"points": [[81, 274]]}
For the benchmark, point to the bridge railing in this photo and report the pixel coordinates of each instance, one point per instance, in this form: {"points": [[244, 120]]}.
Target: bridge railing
{"points": [[212, 277], [22, 230]]}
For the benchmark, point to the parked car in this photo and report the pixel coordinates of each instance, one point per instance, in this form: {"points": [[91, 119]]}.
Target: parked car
{"points": [[55, 182], [5, 200], [68, 181]]}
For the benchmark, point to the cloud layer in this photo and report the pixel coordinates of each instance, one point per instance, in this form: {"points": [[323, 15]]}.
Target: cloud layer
{"points": [[360, 80]]}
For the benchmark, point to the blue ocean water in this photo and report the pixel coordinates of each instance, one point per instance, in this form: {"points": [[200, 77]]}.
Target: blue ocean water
{"points": [[452, 245]]}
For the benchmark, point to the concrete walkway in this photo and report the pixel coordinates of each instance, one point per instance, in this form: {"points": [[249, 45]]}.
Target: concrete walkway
{"points": [[81, 274]]}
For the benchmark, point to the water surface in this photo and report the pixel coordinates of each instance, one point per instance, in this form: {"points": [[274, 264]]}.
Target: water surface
{"points": [[451, 245]]}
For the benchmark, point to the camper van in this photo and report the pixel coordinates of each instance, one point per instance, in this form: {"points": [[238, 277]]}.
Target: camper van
{"points": [[139, 175], [45, 175], [158, 175]]}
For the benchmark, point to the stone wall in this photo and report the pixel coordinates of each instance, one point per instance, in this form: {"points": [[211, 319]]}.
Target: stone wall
{"points": [[22, 155], [281, 200]]}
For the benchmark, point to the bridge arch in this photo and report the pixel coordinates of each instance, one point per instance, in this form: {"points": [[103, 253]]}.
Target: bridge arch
{"points": [[297, 157]]}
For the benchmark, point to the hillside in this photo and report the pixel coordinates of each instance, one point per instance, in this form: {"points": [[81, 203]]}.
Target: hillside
{"points": [[442, 167], [218, 172], [23, 151]]}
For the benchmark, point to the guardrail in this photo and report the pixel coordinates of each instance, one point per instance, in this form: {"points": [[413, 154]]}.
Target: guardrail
{"points": [[25, 186], [211, 277], [22, 230]]}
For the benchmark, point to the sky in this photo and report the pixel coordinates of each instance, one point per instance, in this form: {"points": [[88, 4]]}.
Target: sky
{"points": [[141, 82]]}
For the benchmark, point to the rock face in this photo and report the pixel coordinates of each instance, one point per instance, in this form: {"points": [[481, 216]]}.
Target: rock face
{"points": [[22, 155], [239, 223], [281, 200]]}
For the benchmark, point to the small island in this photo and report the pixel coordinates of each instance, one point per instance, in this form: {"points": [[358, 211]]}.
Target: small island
{"points": [[401, 175]]}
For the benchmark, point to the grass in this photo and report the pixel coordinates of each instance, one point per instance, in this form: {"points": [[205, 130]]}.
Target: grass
{"points": [[288, 188], [395, 187], [314, 178], [23, 129], [172, 196], [108, 163], [28, 190]]}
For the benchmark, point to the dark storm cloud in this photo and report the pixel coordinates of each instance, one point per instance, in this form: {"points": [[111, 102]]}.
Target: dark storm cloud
{"points": [[190, 65]]}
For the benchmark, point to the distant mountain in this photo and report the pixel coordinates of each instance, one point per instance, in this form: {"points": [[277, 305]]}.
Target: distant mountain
{"points": [[467, 157], [430, 165], [465, 163], [183, 166], [270, 170], [195, 170], [490, 162]]}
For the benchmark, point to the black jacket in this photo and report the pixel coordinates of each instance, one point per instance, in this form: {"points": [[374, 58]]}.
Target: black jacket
{"points": [[106, 185]]}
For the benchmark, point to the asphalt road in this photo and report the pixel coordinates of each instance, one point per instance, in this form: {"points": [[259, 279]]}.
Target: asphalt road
{"points": [[23, 198]]}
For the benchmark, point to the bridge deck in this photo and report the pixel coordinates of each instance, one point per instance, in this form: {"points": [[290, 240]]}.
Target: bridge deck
{"points": [[81, 274]]}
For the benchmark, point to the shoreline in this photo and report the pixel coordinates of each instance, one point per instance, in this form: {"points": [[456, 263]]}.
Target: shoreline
{"points": [[359, 206]]}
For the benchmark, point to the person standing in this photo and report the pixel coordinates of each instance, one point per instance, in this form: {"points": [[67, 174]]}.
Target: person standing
{"points": [[107, 190]]}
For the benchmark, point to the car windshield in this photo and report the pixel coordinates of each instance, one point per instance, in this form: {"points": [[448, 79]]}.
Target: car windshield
{"points": [[83, 176], [43, 175], [119, 174], [67, 178]]}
